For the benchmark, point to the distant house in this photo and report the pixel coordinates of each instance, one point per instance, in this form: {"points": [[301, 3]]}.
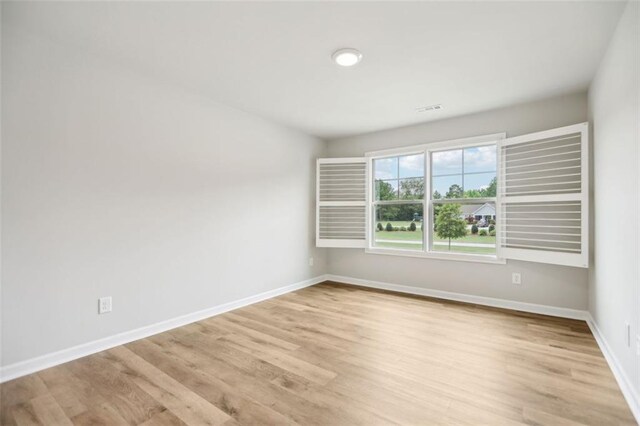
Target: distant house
{"points": [[477, 212]]}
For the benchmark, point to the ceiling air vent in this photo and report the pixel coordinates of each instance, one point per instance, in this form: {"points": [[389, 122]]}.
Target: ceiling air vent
{"points": [[429, 108]]}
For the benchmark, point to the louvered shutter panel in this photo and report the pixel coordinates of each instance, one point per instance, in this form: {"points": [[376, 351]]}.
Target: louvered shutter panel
{"points": [[341, 202], [543, 196]]}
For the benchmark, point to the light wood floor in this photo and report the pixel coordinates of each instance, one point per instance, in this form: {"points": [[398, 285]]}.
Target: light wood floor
{"points": [[336, 355]]}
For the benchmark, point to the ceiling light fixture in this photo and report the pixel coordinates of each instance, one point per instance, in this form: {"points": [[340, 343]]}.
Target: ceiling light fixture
{"points": [[347, 57]]}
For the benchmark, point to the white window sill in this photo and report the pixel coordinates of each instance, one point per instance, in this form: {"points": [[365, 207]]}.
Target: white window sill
{"points": [[461, 257]]}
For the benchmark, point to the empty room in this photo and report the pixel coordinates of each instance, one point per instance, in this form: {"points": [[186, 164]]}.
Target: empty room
{"points": [[320, 213]]}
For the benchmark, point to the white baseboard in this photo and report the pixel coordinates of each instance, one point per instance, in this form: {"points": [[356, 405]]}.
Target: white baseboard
{"points": [[625, 383], [460, 297], [33, 365]]}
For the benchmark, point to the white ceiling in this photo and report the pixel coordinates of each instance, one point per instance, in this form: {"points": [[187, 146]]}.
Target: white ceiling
{"points": [[273, 58]]}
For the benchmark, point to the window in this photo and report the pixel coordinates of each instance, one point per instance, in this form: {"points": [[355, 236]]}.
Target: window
{"points": [[455, 184], [482, 199], [463, 200], [398, 202]]}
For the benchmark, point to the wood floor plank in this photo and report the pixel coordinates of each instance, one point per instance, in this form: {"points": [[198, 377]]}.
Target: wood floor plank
{"points": [[206, 384], [133, 404], [255, 376], [180, 400], [333, 354], [22, 414], [103, 415], [48, 411], [165, 418]]}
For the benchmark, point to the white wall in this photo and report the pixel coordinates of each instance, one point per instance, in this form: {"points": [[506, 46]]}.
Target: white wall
{"points": [[0, 188], [542, 284], [116, 185], [614, 279]]}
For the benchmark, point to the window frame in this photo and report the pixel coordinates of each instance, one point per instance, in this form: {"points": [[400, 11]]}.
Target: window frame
{"points": [[427, 149], [373, 203]]}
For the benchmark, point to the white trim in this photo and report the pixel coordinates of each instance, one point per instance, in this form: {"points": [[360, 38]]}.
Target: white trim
{"points": [[341, 203], [546, 134], [624, 382], [368, 198], [467, 298], [427, 207], [584, 190], [485, 200], [341, 160], [464, 257], [500, 212], [541, 198], [317, 210], [576, 260], [22, 368], [440, 145], [341, 243]]}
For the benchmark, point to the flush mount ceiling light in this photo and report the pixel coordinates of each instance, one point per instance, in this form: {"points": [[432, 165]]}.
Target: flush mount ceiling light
{"points": [[346, 57]]}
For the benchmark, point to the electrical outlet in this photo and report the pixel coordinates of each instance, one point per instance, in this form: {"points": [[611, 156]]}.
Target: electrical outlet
{"points": [[311, 261], [516, 278], [627, 331], [104, 305]]}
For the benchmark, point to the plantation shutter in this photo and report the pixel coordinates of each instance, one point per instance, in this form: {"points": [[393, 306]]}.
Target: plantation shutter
{"points": [[543, 196], [341, 202]]}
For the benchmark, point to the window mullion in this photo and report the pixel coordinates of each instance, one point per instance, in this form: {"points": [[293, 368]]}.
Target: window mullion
{"points": [[463, 172], [397, 202], [426, 208]]}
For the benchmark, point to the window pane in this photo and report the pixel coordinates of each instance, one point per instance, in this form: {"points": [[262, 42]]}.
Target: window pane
{"points": [[480, 159], [446, 162], [386, 168], [447, 187], [464, 228], [476, 179], [412, 189], [386, 190], [480, 185], [412, 166], [398, 226]]}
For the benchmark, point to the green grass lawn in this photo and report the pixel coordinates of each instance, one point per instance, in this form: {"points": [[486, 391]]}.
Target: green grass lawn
{"points": [[458, 249], [417, 235], [438, 248], [400, 235], [384, 244], [470, 239]]}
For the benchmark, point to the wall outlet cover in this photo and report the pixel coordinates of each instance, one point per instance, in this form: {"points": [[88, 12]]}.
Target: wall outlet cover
{"points": [[104, 305]]}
